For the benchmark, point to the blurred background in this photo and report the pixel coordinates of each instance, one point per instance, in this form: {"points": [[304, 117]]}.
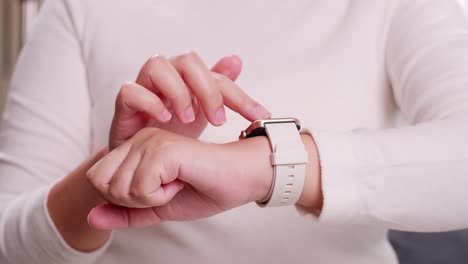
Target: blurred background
{"points": [[16, 20]]}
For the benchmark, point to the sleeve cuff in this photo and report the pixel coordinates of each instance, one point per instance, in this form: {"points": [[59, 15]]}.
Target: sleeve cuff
{"points": [[33, 236], [59, 246], [342, 203]]}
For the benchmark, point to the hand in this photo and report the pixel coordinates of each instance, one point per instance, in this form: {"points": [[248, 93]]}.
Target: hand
{"points": [[181, 86], [141, 178]]}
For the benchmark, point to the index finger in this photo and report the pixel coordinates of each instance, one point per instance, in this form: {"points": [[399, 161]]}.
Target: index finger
{"points": [[238, 100]]}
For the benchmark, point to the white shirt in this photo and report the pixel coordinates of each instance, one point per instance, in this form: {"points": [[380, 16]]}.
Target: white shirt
{"points": [[346, 68]]}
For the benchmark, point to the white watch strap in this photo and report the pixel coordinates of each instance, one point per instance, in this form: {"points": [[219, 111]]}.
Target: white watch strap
{"points": [[289, 159]]}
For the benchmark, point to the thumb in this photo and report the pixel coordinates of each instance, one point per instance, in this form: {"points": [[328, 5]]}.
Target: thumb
{"points": [[109, 217], [229, 66]]}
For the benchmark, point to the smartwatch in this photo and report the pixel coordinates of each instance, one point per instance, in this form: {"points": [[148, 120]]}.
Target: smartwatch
{"points": [[288, 158]]}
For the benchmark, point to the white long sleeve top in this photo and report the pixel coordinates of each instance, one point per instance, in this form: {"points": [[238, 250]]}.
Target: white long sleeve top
{"points": [[347, 68]]}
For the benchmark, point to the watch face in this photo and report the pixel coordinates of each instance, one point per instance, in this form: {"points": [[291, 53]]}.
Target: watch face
{"points": [[257, 128]]}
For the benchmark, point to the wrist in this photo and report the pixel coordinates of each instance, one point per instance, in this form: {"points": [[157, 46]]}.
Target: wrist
{"points": [[69, 202], [311, 196], [256, 166]]}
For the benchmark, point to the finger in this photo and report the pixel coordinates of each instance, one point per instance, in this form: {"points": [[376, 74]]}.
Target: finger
{"points": [[110, 217], [160, 76], [132, 99], [199, 79], [229, 66], [101, 173], [146, 187], [238, 100], [165, 194], [119, 188]]}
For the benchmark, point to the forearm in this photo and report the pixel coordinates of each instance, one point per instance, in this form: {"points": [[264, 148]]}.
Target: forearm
{"points": [[69, 203], [410, 178]]}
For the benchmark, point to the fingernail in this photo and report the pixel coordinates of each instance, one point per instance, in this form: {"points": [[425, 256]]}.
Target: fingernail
{"points": [[165, 115], [261, 112], [220, 116], [189, 114], [89, 215]]}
